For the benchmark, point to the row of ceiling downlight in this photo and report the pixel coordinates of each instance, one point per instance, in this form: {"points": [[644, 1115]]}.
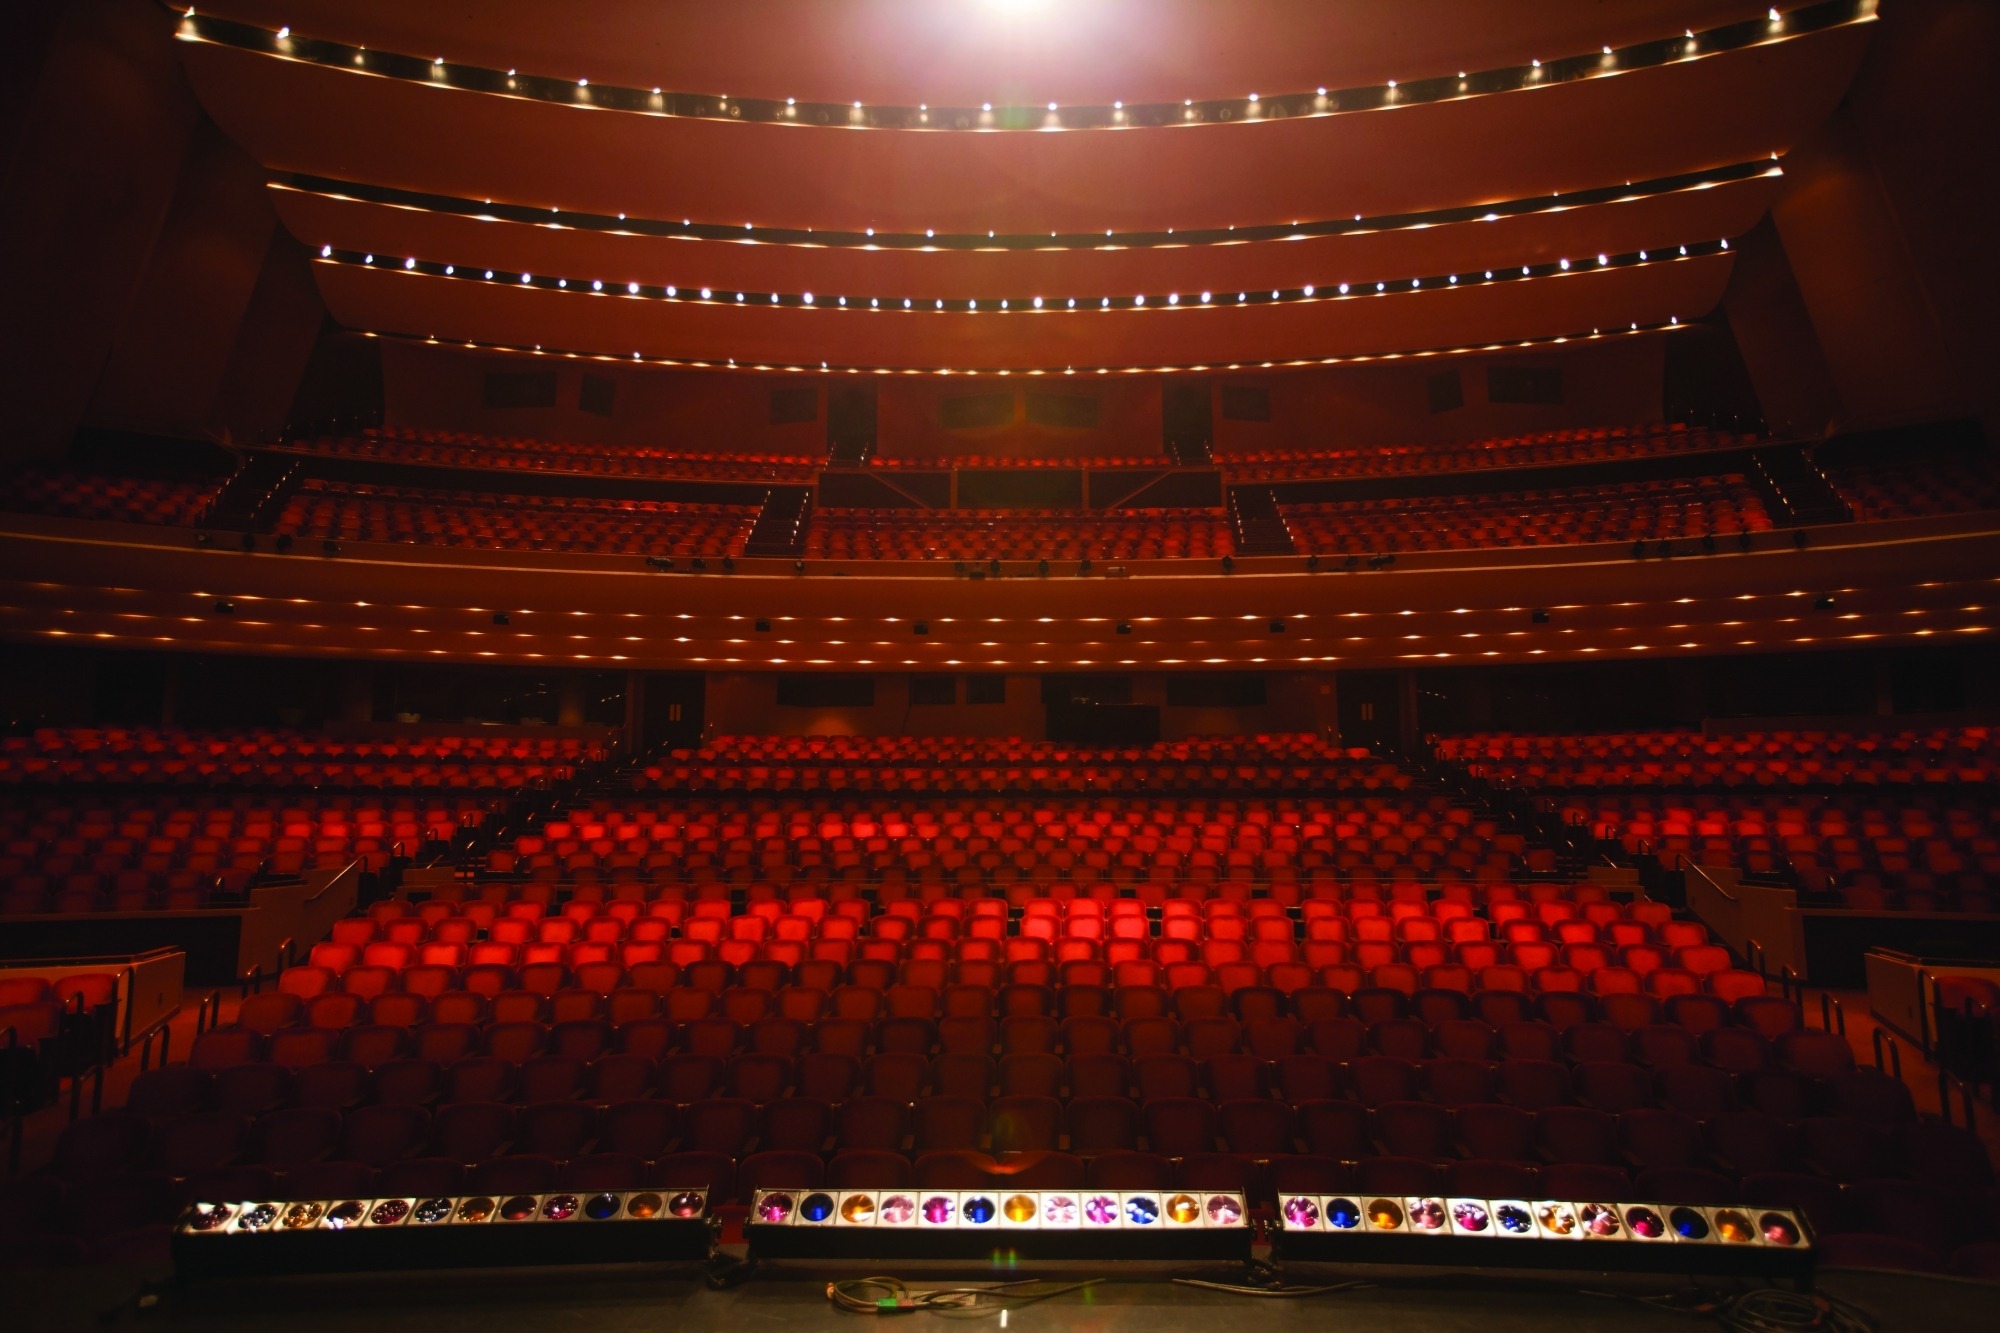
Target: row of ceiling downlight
{"points": [[260, 1237]]}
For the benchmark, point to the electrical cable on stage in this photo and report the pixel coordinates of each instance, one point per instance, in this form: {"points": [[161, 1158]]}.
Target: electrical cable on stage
{"points": [[894, 1296]]}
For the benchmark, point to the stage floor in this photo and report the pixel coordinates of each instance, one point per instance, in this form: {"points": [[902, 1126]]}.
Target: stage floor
{"points": [[1134, 1297]]}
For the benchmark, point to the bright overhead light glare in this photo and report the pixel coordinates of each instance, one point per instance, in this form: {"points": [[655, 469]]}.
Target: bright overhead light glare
{"points": [[286, 32]]}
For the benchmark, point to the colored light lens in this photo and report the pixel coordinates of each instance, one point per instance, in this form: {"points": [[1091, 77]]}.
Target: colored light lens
{"points": [[1100, 1210], [301, 1215], [1301, 1213], [431, 1210], [774, 1208], [1184, 1209], [560, 1208], [1343, 1214], [685, 1204], [1779, 1229], [1559, 1218], [1059, 1211], [979, 1210], [209, 1216], [1689, 1224], [938, 1210], [599, 1207], [1734, 1227], [858, 1208], [1514, 1219], [475, 1210], [1385, 1214], [647, 1205], [1224, 1211], [1599, 1219], [1142, 1212], [1020, 1209], [518, 1209], [1427, 1214], [1470, 1216], [1645, 1223], [256, 1219], [389, 1212], [898, 1209], [350, 1213], [816, 1207]]}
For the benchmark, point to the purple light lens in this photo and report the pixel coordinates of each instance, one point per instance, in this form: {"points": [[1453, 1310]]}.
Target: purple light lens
{"points": [[1100, 1210], [938, 1210], [774, 1208], [1301, 1213]]}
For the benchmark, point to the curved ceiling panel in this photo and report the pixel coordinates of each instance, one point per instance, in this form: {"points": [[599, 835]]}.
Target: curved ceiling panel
{"points": [[393, 301], [1002, 51], [1698, 113], [1653, 222]]}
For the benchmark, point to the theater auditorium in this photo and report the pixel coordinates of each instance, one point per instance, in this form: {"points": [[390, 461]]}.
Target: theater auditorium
{"points": [[1128, 664]]}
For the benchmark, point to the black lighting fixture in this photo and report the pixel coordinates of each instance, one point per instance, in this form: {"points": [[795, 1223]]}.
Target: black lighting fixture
{"points": [[502, 618], [993, 568], [203, 539], [729, 564], [1824, 602], [1743, 541], [698, 565], [1042, 568], [1538, 616], [1228, 565], [1382, 561], [249, 541], [1639, 549], [763, 627], [1352, 563], [1312, 562], [1124, 627], [283, 544], [1799, 539], [798, 566], [225, 607], [1277, 627], [1666, 549], [1083, 565], [920, 628], [1708, 543], [329, 547], [660, 562]]}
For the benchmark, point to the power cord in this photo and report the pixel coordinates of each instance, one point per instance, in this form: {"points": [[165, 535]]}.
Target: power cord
{"points": [[889, 1295], [1761, 1310]]}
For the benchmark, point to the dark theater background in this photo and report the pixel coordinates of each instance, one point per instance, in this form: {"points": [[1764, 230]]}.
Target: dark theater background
{"points": [[1327, 659]]}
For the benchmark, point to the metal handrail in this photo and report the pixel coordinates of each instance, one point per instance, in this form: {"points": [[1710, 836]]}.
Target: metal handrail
{"points": [[1831, 1016], [1895, 1064], [1682, 864]]}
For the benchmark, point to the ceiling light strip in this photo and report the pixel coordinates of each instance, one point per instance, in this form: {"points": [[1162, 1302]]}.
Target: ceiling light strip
{"points": [[869, 239], [988, 117], [1204, 368], [1018, 304]]}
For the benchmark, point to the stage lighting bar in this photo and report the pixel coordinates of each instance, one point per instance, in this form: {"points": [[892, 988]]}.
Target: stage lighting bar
{"points": [[980, 1224], [1544, 1233], [259, 1237]]}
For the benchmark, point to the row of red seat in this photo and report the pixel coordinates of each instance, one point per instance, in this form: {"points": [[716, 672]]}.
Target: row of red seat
{"points": [[1681, 759], [1007, 534], [1914, 489], [355, 512], [374, 1066], [271, 758], [1875, 852], [1559, 446], [460, 449], [73, 493], [1675, 508], [1012, 461]]}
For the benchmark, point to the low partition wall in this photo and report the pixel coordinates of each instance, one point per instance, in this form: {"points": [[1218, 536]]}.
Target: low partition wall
{"points": [[218, 944]]}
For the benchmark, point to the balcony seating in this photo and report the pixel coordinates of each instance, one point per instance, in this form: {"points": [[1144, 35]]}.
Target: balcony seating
{"points": [[350, 512]]}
